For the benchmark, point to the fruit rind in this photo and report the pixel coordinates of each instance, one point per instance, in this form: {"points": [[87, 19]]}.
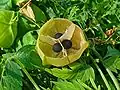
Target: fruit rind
{"points": [[48, 57]]}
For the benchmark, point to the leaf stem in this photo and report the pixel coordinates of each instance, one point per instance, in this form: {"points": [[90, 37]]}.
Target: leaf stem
{"points": [[32, 21], [86, 86], [93, 83], [107, 69], [25, 5], [27, 74], [101, 73], [4, 66], [28, 17], [113, 78]]}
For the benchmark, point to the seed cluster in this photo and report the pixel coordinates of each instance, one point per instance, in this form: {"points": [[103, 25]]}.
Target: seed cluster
{"points": [[67, 44]]}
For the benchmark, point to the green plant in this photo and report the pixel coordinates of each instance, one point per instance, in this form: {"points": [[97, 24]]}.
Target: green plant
{"points": [[21, 68]]}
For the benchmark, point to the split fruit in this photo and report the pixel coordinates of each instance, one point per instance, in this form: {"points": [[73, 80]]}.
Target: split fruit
{"points": [[60, 42]]}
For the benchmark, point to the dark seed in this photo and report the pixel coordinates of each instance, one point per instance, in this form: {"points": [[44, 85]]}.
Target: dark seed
{"points": [[67, 44], [57, 47], [57, 35]]}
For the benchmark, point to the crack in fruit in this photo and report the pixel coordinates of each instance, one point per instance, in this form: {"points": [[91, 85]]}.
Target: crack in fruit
{"points": [[63, 39], [62, 47], [58, 35]]}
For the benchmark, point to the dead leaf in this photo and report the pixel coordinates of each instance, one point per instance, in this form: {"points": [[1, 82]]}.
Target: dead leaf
{"points": [[27, 11], [68, 33]]}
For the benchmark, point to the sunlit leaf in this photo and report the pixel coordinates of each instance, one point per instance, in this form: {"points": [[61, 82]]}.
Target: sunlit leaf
{"points": [[65, 85], [8, 25], [5, 4], [113, 63], [112, 52], [77, 71], [39, 14], [28, 57], [11, 78]]}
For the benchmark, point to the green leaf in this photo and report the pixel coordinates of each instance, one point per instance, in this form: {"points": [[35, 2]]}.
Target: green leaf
{"points": [[10, 86], [112, 86], [24, 26], [84, 85], [29, 57], [5, 4], [11, 78], [28, 39], [8, 25], [39, 14], [51, 13], [1, 68], [84, 73], [113, 63], [65, 85], [72, 13], [112, 52], [1, 88], [78, 71], [14, 70], [63, 73]]}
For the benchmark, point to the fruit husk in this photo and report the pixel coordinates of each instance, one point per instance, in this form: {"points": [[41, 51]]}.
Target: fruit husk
{"points": [[48, 56], [18, 2]]}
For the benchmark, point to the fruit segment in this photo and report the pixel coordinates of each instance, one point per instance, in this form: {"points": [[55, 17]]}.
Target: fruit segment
{"points": [[60, 42]]}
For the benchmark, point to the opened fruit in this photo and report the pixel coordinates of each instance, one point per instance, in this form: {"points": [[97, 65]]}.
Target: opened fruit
{"points": [[60, 42]]}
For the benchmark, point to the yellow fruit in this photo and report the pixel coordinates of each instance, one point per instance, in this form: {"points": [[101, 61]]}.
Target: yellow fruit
{"points": [[44, 44]]}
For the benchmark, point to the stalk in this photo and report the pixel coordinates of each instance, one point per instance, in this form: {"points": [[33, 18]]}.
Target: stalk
{"points": [[101, 73], [86, 86], [115, 81], [93, 83], [32, 21], [27, 74]]}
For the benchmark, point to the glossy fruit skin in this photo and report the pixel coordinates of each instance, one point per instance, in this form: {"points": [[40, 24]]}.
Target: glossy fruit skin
{"points": [[67, 44], [57, 47], [58, 35]]}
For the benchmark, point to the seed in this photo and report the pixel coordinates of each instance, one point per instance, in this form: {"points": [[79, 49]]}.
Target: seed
{"points": [[57, 35], [57, 47], [67, 44]]}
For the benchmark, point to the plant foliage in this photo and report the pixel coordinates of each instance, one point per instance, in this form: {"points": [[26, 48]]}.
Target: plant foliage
{"points": [[21, 67]]}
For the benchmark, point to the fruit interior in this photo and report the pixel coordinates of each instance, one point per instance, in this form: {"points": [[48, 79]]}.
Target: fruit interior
{"points": [[59, 26]]}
